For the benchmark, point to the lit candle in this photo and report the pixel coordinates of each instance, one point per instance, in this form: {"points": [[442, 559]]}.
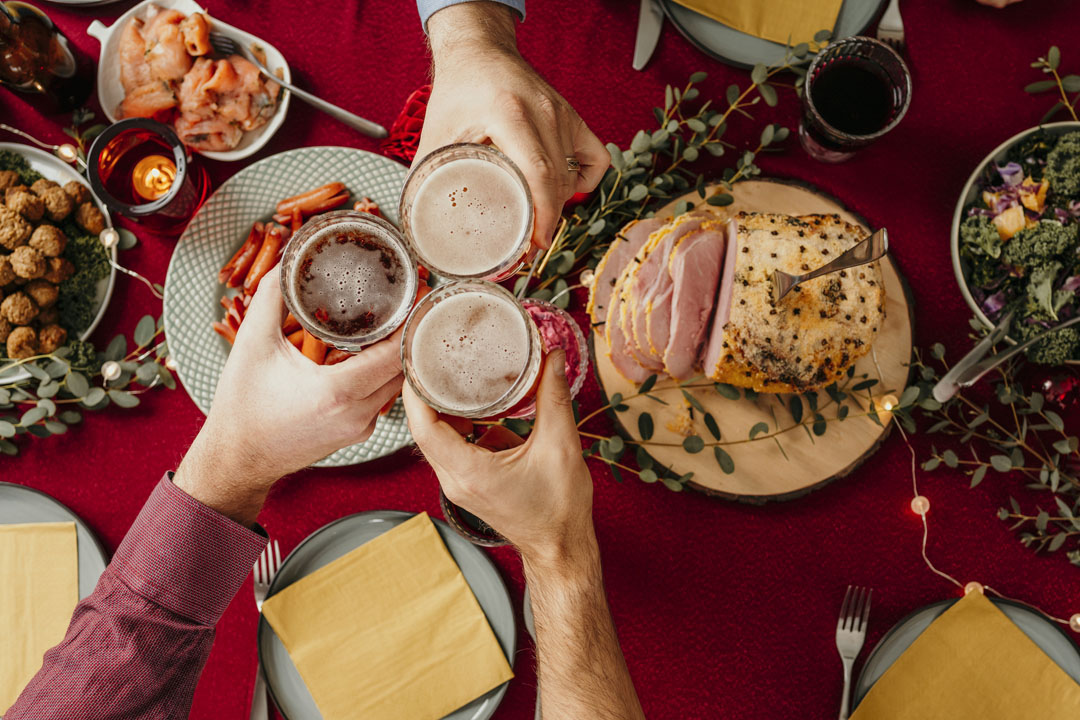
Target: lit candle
{"points": [[153, 176]]}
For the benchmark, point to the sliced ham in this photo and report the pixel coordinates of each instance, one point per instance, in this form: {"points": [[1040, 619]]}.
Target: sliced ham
{"points": [[695, 268], [715, 348], [622, 355], [619, 254]]}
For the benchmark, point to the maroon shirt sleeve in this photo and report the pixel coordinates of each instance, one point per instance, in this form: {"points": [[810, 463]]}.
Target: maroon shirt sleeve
{"points": [[136, 646]]}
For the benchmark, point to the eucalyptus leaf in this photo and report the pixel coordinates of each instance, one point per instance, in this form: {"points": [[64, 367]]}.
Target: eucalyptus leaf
{"points": [[33, 415], [144, 330], [147, 373], [759, 74], [128, 239], [732, 94], [94, 396], [36, 371], [71, 417], [57, 369], [696, 125], [48, 389], [950, 458], [694, 402], [56, 427], [795, 405], [1053, 57], [699, 76], [123, 398], [8, 448], [645, 426], [727, 391], [714, 429], [673, 485], [693, 444], [724, 460], [767, 134], [691, 153], [1071, 83], [720, 199], [648, 476], [7, 430], [822, 36], [117, 348], [597, 227], [616, 156], [1054, 419], [1040, 86], [819, 424], [768, 94], [637, 193], [1001, 463], [758, 429]]}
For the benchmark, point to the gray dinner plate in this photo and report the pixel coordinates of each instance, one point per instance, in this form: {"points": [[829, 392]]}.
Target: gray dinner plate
{"points": [[1047, 635], [339, 537], [737, 48], [20, 504]]}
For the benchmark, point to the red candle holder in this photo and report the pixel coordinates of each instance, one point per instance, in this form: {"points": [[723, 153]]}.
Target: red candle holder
{"points": [[141, 170]]}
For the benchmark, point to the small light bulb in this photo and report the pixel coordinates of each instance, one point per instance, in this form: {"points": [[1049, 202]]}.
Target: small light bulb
{"points": [[170, 364], [109, 237], [1074, 622], [588, 277], [973, 587], [889, 402], [67, 152], [110, 370], [920, 505]]}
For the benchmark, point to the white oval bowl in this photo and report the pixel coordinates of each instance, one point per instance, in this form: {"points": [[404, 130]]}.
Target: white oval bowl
{"points": [[111, 91], [969, 195]]}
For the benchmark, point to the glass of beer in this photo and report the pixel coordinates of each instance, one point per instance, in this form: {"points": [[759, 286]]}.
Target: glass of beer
{"points": [[467, 213], [348, 278]]}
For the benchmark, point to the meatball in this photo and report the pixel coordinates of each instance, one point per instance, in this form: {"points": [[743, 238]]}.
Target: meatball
{"points": [[43, 293], [12, 189], [57, 204], [51, 337], [40, 186], [18, 308], [78, 192], [7, 275], [14, 230], [89, 218], [60, 269], [5, 330], [28, 263], [8, 178], [27, 204], [48, 317], [48, 240], [22, 343]]}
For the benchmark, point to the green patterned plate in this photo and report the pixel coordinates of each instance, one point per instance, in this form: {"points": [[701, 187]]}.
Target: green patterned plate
{"points": [[192, 292]]}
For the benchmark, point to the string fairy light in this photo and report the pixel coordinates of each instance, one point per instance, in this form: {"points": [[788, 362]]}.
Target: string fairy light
{"points": [[920, 505]]}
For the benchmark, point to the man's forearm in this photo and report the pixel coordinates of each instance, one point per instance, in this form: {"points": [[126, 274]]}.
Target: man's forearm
{"points": [[581, 669], [472, 27]]}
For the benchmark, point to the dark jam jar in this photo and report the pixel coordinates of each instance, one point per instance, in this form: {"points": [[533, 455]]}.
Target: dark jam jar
{"points": [[35, 59], [348, 278]]}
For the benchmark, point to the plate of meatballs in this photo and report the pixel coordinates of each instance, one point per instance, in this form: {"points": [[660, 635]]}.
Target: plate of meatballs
{"points": [[36, 260]]}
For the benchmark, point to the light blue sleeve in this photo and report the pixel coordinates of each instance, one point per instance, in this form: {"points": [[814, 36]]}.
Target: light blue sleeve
{"points": [[428, 8]]}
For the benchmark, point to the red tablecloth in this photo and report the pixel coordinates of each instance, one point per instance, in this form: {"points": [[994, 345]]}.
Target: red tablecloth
{"points": [[724, 610]]}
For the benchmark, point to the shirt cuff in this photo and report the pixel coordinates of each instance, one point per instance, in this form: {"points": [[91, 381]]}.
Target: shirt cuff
{"points": [[428, 8], [185, 557]]}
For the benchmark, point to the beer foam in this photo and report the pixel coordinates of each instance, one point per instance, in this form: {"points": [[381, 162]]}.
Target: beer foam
{"points": [[469, 349], [468, 217], [350, 280]]}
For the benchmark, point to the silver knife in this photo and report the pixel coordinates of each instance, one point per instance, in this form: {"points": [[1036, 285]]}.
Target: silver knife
{"points": [[650, 21], [976, 372], [948, 385]]}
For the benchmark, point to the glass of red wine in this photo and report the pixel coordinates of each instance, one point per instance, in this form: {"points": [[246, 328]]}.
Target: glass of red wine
{"points": [[857, 89], [36, 59]]}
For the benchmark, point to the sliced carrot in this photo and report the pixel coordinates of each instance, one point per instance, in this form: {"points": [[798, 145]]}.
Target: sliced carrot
{"points": [[290, 325], [297, 220], [314, 208], [285, 206], [265, 260], [296, 338], [335, 356], [245, 253], [224, 331], [313, 348]]}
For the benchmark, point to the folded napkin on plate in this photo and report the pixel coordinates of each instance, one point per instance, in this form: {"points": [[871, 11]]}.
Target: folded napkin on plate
{"points": [[39, 588], [972, 662], [390, 630], [776, 20]]}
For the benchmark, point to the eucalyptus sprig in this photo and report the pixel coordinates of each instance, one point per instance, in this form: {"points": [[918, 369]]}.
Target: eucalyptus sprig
{"points": [[83, 137], [1061, 85], [655, 169], [1003, 429], [42, 395]]}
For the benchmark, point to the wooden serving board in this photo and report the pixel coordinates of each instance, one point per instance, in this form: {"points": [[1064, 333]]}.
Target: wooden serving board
{"points": [[763, 471]]}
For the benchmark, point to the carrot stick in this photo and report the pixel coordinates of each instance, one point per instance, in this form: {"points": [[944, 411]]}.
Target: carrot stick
{"points": [[297, 220], [313, 348], [224, 331], [314, 208], [290, 325], [264, 261], [244, 254], [335, 356], [240, 270], [296, 338], [285, 206]]}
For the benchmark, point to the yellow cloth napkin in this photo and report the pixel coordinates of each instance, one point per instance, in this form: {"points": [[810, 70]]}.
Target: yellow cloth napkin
{"points": [[39, 588], [972, 662], [390, 630], [776, 20]]}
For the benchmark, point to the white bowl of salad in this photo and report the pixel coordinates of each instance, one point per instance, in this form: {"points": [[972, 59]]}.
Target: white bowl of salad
{"points": [[1016, 238]]}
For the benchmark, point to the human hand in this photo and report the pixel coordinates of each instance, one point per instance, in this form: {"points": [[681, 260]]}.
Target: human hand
{"points": [[536, 493], [276, 412], [485, 91]]}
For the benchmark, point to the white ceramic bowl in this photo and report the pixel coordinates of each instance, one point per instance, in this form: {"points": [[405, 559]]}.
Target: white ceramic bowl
{"points": [[970, 195], [111, 91]]}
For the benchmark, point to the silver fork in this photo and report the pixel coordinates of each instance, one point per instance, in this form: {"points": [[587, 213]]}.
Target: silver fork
{"points": [[266, 568], [225, 45], [890, 28], [861, 253], [850, 635]]}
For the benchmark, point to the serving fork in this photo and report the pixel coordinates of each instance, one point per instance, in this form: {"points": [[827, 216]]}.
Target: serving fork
{"points": [[264, 571], [850, 635], [225, 45], [890, 28], [862, 253]]}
